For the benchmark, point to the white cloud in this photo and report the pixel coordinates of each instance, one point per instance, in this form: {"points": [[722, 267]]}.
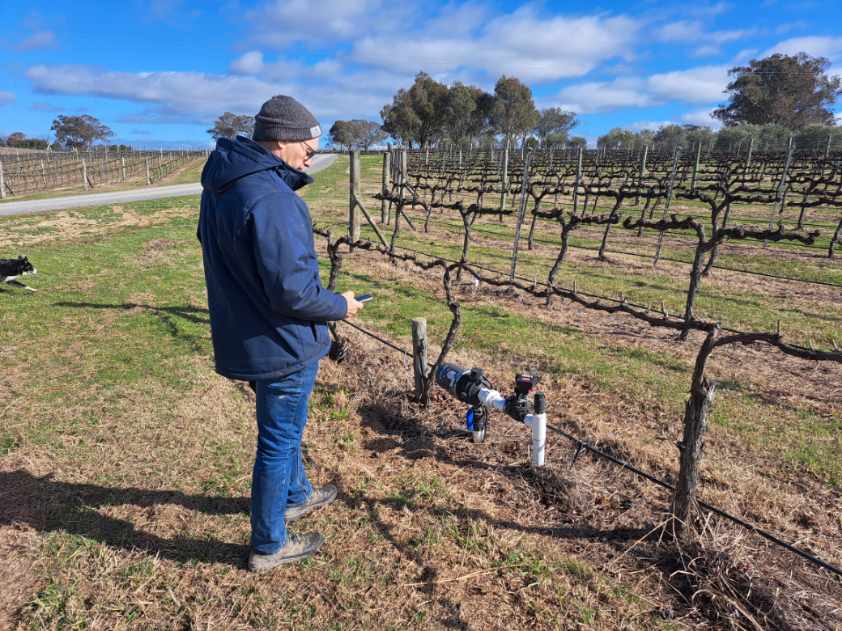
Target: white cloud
{"points": [[650, 125], [598, 96], [280, 23], [680, 31], [703, 84], [830, 47], [693, 31], [524, 44], [6, 98], [702, 118], [39, 39], [183, 92], [249, 63], [198, 97]]}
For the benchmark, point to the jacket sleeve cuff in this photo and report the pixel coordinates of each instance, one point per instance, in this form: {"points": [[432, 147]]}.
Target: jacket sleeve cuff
{"points": [[341, 307]]}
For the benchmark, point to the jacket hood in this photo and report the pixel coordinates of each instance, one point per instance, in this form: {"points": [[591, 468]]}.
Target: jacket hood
{"points": [[235, 159]]}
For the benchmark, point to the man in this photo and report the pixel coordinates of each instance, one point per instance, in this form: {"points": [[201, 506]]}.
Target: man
{"points": [[268, 310]]}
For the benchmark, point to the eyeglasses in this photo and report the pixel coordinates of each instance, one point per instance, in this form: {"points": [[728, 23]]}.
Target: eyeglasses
{"points": [[310, 152]]}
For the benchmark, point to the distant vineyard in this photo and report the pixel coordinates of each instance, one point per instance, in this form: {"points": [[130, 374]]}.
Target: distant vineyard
{"points": [[36, 172]]}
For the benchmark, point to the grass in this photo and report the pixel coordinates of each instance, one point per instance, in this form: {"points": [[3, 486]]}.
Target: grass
{"points": [[126, 460]]}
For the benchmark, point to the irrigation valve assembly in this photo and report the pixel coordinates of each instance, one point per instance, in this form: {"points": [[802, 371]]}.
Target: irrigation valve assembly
{"points": [[470, 386]]}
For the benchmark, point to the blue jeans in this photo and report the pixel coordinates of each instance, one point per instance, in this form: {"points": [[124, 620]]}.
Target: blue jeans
{"points": [[279, 479]]}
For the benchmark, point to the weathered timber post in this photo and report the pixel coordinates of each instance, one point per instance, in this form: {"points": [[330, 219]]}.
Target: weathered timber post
{"points": [[578, 180], [2, 182], [384, 188], [833, 241], [354, 203], [696, 168], [783, 186], [504, 179], [641, 173], [123, 166], [148, 173], [524, 186], [353, 219], [750, 147], [419, 356], [667, 204], [696, 413], [43, 174], [827, 148], [84, 174]]}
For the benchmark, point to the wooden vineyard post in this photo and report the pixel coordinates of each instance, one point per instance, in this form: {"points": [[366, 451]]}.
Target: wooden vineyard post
{"points": [[148, 174], [384, 189], [43, 174], [667, 203], [353, 220], [783, 185], [641, 173], [404, 171], [695, 425], [524, 187], [123, 166], [504, 179], [748, 157], [696, 167], [419, 355], [827, 148], [578, 180], [354, 203], [84, 174], [2, 182], [833, 241]]}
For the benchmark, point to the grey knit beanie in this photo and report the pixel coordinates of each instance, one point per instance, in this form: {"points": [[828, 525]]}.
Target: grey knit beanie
{"points": [[284, 118]]}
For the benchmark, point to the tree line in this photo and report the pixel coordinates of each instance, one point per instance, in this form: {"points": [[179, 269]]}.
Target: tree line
{"points": [[429, 113], [71, 132], [769, 137]]}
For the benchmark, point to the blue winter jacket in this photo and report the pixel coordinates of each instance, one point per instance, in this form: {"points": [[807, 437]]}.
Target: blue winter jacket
{"points": [[268, 309]]}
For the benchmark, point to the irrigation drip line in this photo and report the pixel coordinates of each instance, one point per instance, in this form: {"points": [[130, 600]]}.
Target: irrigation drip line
{"points": [[581, 444], [378, 338], [649, 256]]}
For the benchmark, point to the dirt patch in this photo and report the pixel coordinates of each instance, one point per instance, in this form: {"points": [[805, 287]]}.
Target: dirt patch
{"points": [[71, 225]]}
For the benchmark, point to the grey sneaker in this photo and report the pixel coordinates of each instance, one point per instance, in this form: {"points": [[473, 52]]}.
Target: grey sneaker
{"points": [[320, 497], [297, 548]]}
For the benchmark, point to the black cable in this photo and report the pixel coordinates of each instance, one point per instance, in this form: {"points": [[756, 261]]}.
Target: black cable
{"points": [[580, 444], [377, 337]]}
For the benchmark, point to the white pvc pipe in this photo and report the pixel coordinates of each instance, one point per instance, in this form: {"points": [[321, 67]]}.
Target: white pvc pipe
{"points": [[492, 399], [538, 424]]}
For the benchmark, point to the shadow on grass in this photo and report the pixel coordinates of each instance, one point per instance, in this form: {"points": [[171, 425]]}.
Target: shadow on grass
{"points": [[48, 505], [166, 315]]}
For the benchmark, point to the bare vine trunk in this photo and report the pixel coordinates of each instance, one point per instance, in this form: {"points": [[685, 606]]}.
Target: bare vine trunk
{"points": [[693, 289], [696, 413], [604, 244], [836, 235]]}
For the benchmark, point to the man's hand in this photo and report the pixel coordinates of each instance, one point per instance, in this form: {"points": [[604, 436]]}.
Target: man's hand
{"points": [[353, 305]]}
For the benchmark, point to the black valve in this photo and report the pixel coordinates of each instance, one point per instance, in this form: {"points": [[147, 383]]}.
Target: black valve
{"points": [[462, 384]]}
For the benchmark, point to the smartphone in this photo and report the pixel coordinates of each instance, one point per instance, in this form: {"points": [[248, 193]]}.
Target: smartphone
{"points": [[363, 297]]}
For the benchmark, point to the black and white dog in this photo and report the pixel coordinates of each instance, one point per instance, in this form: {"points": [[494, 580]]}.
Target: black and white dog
{"points": [[11, 269]]}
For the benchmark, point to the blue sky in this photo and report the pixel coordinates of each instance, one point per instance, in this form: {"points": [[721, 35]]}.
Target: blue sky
{"points": [[160, 71]]}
